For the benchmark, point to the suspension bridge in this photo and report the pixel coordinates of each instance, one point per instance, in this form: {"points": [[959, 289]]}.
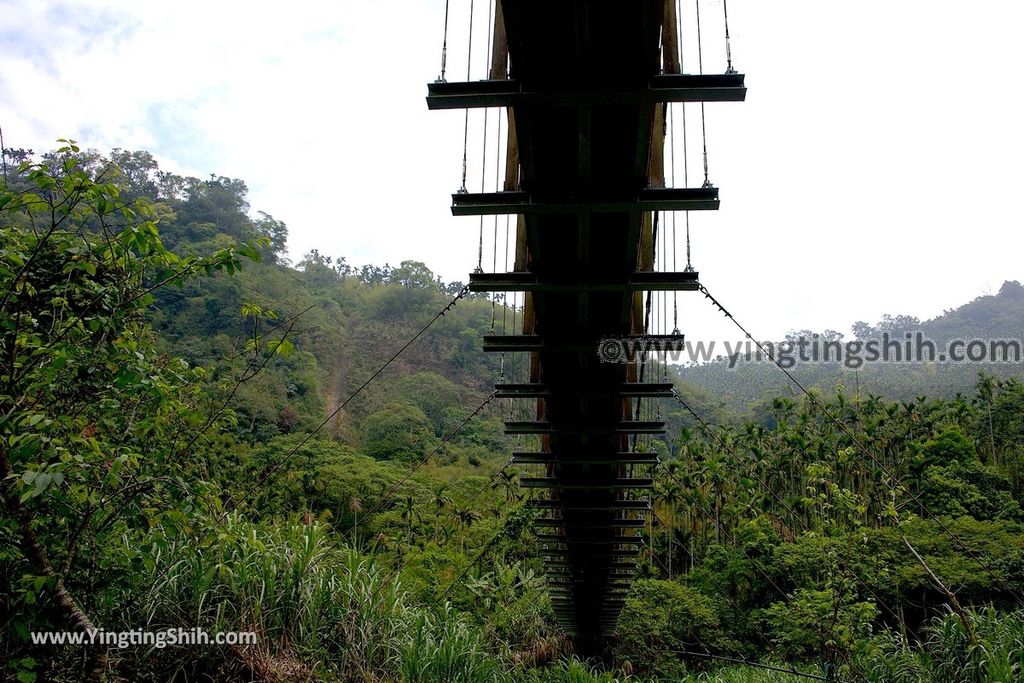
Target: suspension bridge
{"points": [[587, 90]]}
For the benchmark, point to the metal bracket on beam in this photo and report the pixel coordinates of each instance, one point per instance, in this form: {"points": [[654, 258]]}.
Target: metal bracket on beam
{"points": [[651, 199], [642, 504], [531, 282], [659, 88], [621, 458], [612, 524], [552, 483], [632, 344], [559, 538], [624, 427], [616, 553], [629, 389], [563, 580]]}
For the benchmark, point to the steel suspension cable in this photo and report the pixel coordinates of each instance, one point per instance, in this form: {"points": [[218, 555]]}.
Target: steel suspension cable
{"points": [[291, 453], [483, 181], [686, 181], [487, 484], [728, 43], [664, 268], [718, 526], [483, 161], [386, 497], [860, 446], [444, 45], [515, 356], [663, 321], [450, 436], [679, 32], [487, 546], [642, 361], [749, 467], [703, 124], [494, 259], [675, 247], [465, 121], [738, 609], [756, 665], [686, 152], [754, 562], [504, 301], [426, 458]]}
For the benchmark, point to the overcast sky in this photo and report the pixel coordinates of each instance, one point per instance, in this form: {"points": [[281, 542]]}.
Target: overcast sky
{"points": [[876, 166]]}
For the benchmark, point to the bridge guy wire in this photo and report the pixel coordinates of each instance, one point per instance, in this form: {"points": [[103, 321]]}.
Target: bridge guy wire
{"points": [[341, 537], [386, 497], [483, 551], [740, 659], [289, 324], [486, 485], [252, 368], [794, 523], [718, 525], [309, 435], [785, 597], [860, 446], [452, 517], [672, 530], [426, 458], [756, 665], [749, 466]]}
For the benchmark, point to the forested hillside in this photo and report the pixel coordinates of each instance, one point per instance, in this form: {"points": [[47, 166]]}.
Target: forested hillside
{"points": [[179, 449], [745, 387]]}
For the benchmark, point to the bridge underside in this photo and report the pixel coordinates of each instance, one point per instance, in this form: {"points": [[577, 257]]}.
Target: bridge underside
{"points": [[589, 149], [589, 167]]}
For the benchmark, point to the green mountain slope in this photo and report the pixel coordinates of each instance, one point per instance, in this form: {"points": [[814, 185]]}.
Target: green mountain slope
{"points": [[745, 387]]}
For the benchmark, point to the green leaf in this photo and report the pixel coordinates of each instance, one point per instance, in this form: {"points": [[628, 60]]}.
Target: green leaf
{"points": [[281, 347]]}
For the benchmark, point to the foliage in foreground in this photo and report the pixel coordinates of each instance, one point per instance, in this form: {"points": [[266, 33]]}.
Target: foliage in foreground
{"points": [[134, 496], [320, 609]]}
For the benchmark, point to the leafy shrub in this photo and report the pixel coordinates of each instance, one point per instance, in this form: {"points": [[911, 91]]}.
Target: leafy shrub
{"points": [[398, 431], [661, 619], [816, 622]]}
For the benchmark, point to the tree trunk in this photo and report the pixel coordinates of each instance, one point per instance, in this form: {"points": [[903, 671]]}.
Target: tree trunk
{"points": [[992, 435], [39, 560], [950, 595]]}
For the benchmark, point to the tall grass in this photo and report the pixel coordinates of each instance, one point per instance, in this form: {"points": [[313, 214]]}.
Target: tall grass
{"points": [[321, 610], [325, 612], [946, 652], [440, 647], [575, 671]]}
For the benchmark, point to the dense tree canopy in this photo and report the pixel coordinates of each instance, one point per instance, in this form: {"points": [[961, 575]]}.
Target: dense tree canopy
{"points": [[178, 449]]}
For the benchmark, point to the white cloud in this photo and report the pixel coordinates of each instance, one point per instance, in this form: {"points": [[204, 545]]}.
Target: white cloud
{"points": [[874, 167]]}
